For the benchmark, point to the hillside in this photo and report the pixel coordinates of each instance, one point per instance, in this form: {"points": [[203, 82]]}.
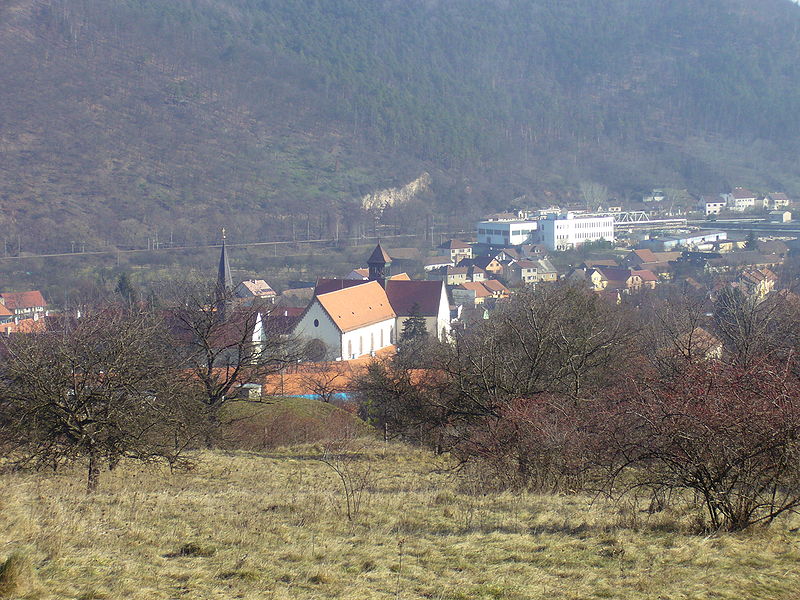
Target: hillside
{"points": [[126, 121], [246, 525]]}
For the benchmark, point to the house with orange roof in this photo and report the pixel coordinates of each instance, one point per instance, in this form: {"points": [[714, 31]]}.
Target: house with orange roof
{"points": [[24, 304]]}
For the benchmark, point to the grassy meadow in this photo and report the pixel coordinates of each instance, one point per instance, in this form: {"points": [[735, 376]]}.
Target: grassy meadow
{"points": [[274, 525]]}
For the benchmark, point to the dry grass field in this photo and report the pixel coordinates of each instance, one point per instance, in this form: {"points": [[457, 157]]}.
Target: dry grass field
{"points": [[273, 525]]}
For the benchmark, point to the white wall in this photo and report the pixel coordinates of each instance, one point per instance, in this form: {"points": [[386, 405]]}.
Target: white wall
{"points": [[368, 339], [325, 330], [506, 233], [569, 231]]}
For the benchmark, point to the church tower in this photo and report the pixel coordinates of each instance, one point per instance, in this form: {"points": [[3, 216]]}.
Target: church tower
{"points": [[224, 287], [379, 263]]}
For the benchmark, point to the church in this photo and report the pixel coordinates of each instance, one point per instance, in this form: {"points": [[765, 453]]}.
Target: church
{"points": [[355, 317]]}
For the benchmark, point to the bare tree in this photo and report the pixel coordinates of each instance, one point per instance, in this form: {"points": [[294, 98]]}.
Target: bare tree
{"points": [[220, 352], [326, 380], [727, 433], [101, 388]]}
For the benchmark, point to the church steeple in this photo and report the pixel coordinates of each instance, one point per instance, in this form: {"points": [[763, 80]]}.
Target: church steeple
{"points": [[224, 286], [378, 264], [224, 277]]}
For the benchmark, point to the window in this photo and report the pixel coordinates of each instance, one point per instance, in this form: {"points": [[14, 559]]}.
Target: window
{"points": [[316, 322], [350, 348], [381, 338]]}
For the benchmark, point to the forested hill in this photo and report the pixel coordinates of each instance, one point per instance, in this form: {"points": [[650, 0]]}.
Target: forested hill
{"points": [[119, 120]]}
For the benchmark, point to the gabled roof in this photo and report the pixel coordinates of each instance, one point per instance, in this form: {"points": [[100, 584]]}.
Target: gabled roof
{"points": [[20, 300], [4, 312], [480, 261], [454, 245], [437, 261], [742, 193], [425, 294], [258, 287], [481, 291], [361, 274], [645, 275], [527, 264], [646, 255], [601, 262], [494, 286], [614, 273], [357, 306]]}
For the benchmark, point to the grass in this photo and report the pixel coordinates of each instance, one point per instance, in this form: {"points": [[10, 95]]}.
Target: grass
{"points": [[272, 525]]}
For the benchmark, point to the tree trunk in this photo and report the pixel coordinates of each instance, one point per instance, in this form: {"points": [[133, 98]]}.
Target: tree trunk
{"points": [[94, 472]]}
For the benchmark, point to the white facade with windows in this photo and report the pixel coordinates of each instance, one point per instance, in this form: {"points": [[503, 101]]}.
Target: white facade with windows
{"points": [[506, 233], [565, 231], [317, 324]]}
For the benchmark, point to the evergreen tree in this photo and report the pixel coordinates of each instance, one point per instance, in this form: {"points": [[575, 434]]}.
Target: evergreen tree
{"points": [[414, 331], [126, 289]]}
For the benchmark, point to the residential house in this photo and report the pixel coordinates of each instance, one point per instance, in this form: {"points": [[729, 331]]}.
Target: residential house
{"points": [[621, 279], [742, 199], [254, 289], [436, 262], [696, 344], [757, 282], [477, 293], [457, 249], [530, 271], [24, 304], [712, 204], [491, 265], [777, 201]]}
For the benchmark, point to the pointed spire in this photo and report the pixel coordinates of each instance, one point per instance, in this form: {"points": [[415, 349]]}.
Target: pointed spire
{"points": [[224, 277], [378, 264]]}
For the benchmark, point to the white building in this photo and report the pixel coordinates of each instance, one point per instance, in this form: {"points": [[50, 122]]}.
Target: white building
{"points": [[712, 204], [741, 199], [351, 322], [565, 231], [506, 233]]}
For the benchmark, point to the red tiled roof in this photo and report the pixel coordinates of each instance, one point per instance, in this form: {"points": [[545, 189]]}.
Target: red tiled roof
{"points": [[19, 300], [357, 306], [645, 275], [646, 255]]}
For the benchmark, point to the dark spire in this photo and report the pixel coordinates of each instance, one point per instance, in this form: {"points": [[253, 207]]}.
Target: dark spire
{"points": [[378, 263], [224, 281], [224, 278]]}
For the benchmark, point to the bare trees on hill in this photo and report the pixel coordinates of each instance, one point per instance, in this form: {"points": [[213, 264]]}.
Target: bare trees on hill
{"points": [[130, 381], [560, 390]]}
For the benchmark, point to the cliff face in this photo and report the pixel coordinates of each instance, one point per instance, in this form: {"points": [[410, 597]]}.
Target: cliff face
{"points": [[122, 121], [397, 196]]}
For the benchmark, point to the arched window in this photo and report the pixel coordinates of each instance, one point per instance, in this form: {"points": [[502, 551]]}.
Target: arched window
{"points": [[360, 345], [381, 338]]}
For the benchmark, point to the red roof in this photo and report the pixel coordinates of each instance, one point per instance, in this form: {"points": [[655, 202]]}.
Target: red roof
{"points": [[21, 300], [646, 255], [645, 275], [425, 294]]}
